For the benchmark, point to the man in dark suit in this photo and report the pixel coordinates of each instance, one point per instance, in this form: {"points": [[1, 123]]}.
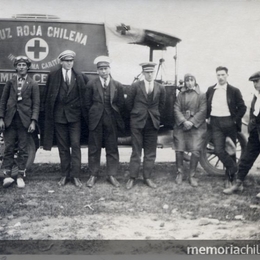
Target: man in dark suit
{"points": [[145, 101], [64, 109], [105, 103], [19, 111], [225, 109]]}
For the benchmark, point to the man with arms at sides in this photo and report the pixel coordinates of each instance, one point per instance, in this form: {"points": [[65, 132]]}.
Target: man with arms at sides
{"points": [[225, 109], [19, 112], [64, 108], [146, 101], [105, 102]]}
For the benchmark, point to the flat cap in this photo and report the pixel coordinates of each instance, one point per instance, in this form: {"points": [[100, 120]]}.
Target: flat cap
{"points": [[66, 54], [102, 61], [255, 76], [148, 66]]}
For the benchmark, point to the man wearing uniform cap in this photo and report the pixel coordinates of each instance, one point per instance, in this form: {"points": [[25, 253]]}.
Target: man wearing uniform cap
{"points": [[105, 104], [64, 110], [145, 102], [19, 111], [253, 145]]}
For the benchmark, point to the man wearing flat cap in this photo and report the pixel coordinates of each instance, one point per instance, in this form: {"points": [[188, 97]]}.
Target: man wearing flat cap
{"points": [[105, 103], [225, 109], [253, 145], [64, 109], [145, 102]]}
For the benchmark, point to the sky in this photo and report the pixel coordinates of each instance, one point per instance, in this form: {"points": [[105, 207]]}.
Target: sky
{"points": [[213, 33]]}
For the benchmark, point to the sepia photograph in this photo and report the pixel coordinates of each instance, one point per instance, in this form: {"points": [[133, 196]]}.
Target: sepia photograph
{"points": [[129, 128]]}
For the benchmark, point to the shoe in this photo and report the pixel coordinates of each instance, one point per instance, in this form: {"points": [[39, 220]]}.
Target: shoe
{"points": [[113, 181], [7, 182], [179, 178], [91, 181], [150, 183], [238, 186], [193, 182], [20, 183], [62, 181], [227, 184], [77, 182], [130, 183], [258, 195]]}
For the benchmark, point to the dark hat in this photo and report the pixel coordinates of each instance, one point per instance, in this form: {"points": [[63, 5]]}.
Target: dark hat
{"points": [[102, 61], [67, 54], [255, 76], [148, 66]]}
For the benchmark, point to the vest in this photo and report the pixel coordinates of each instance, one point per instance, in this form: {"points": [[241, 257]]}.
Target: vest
{"points": [[67, 106], [107, 104]]}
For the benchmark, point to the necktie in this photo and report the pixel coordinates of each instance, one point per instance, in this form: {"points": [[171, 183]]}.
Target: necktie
{"points": [[19, 88], [105, 83], [67, 78]]}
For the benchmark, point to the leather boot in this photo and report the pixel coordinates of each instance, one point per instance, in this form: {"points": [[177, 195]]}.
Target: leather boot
{"points": [[238, 186], [193, 166], [179, 167]]}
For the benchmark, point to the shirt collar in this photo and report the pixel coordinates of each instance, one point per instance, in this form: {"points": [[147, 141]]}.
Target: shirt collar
{"points": [[102, 80], [25, 77], [64, 71], [257, 94], [224, 87], [147, 83]]}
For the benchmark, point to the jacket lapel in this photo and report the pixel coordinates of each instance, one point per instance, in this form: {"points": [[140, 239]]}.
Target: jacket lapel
{"points": [[73, 82], [100, 88], [155, 89], [142, 86], [229, 94], [57, 80], [211, 95], [112, 90], [14, 84], [26, 84]]}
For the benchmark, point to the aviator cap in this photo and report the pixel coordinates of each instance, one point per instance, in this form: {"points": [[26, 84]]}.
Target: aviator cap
{"points": [[22, 59]]}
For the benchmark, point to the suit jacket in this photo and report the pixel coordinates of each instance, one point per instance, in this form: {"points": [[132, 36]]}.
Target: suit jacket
{"points": [[94, 99], [28, 108], [139, 107], [235, 102], [52, 89]]}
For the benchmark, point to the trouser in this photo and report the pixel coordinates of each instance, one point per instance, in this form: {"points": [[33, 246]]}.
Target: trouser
{"points": [[105, 133], [68, 136], [145, 138], [194, 159], [16, 131], [250, 155], [223, 127]]}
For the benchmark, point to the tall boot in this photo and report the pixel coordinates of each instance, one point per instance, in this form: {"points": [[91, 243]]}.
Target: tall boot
{"points": [[193, 166], [179, 167]]}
